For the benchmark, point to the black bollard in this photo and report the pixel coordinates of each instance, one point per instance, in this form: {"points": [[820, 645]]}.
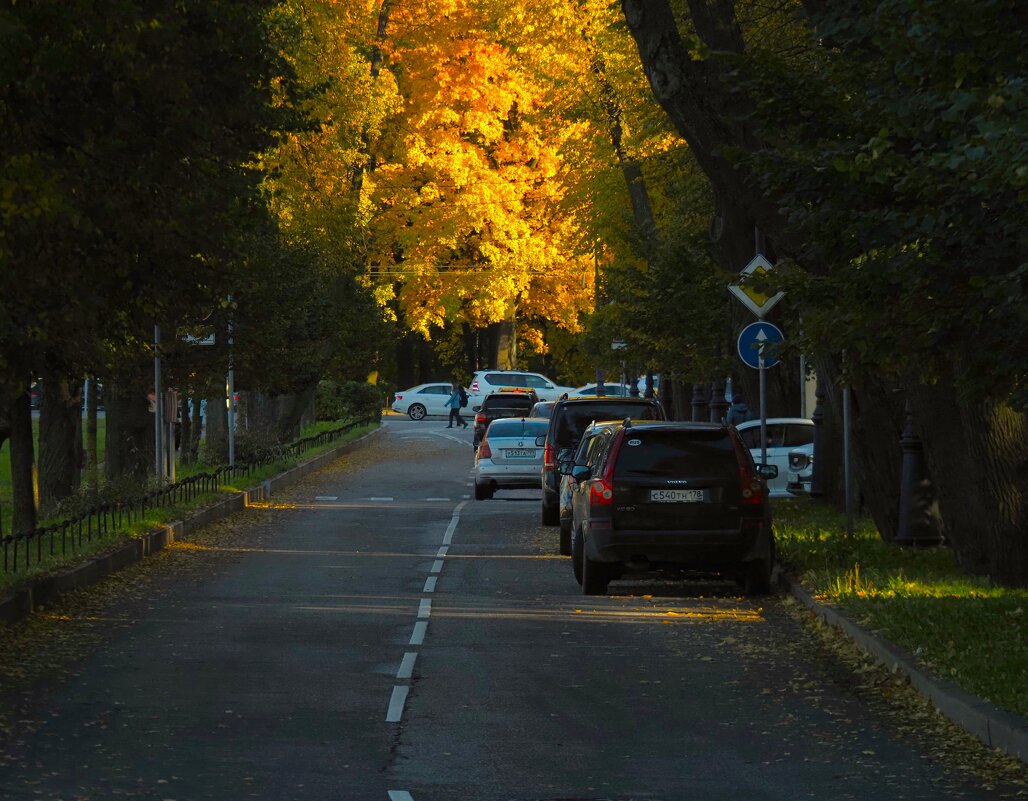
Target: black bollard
{"points": [[918, 518], [699, 403]]}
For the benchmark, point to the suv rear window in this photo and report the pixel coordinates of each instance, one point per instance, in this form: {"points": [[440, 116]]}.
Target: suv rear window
{"points": [[676, 453], [574, 419], [520, 404]]}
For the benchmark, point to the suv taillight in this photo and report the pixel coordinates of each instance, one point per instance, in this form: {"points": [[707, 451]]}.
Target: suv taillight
{"points": [[549, 457], [601, 490], [480, 418], [751, 486], [601, 493]]}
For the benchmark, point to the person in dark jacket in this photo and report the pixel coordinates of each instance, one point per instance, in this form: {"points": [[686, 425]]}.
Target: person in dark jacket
{"points": [[738, 412]]}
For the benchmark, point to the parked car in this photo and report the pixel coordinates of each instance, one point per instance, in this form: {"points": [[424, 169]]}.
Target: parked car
{"points": [[542, 409], [508, 456], [589, 390], [801, 470], [422, 400], [671, 495], [568, 421], [784, 434], [505, 403], [486, 381], [565, 482]]}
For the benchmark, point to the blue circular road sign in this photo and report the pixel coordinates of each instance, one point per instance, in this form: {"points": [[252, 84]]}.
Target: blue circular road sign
{"points": [[754, 341]]}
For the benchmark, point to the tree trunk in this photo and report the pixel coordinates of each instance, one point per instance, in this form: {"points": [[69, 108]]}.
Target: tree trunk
{"points": [[470, 348], [92, 455], [129, 441], [215, 449], [186, 431], [406, 375], [23, 484], [291, 412], [977, 454], [60, 440]]}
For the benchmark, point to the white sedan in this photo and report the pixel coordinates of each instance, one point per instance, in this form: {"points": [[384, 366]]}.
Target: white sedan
{"points": [[784, 434], [423, 400], [509, 456]]}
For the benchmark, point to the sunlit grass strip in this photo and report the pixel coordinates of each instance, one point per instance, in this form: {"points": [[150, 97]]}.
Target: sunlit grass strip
{"points": [[165, 514], [960, 627]]}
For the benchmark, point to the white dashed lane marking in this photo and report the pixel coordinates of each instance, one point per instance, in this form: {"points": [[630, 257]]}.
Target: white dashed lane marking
{"points": [[396, 702], [418, 636], [425, 608], [407, 665]]}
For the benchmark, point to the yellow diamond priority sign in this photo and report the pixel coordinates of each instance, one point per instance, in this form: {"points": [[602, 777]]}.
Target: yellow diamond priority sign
{"points": [[757, 302]]}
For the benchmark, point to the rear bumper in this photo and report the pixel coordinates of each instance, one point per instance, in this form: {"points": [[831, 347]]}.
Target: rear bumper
{"points": [[514, 477], [691, 549], [549, 482]]}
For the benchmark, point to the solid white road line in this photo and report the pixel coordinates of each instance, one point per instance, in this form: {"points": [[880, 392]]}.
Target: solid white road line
{"points": [[418, 636], [396, 702], [407, 665], [425, 607], [400, 795], [437, 566], [430, 584], [448, 536]]}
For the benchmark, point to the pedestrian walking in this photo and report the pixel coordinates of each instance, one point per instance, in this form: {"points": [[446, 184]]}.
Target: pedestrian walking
{"points": [[739, 411], [457, 400]]}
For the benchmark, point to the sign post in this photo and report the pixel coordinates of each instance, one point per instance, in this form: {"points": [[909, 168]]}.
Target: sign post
{"points": [[752, 346]]}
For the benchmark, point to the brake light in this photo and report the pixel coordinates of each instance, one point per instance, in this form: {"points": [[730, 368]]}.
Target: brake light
{"points": [[601, 493], [751, 484], [549, 457], [480, 418], [398, 397], [601, 490], [474, 386], [484, 451]]}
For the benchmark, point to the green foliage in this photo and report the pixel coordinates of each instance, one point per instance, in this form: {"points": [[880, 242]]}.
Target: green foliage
{"points": [[350, 400], [896, 149]]}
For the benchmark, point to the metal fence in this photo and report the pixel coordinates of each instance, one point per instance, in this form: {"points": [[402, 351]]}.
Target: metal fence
{"points": [[21, 551]]}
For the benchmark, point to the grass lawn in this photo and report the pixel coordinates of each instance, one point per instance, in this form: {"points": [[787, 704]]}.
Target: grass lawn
{"points": [[171, 513], [960, 627]]}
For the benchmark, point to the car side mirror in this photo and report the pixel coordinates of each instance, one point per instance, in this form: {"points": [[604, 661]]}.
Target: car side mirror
{"points": [[581, 472], [564, 468], [540, 441], [475, 408], [767, 471]]}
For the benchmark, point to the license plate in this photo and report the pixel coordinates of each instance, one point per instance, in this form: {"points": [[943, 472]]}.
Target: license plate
{"points": [[676, 496], [520, 453]]}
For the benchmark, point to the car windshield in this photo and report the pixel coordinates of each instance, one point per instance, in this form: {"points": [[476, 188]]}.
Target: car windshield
{"points": [[575, 418], [676, 453], [528, 429]]}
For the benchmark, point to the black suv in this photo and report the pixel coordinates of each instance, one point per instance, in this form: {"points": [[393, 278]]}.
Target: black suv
{"points": [[670, 495], [502, 403], [569, 419]]}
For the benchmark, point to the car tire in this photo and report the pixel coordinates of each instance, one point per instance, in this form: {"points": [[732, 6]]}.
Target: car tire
{"points": [[551, 514], [416, 411], [484, 492], [565, 536], [595, 576], [757, 574], [576, 556]]}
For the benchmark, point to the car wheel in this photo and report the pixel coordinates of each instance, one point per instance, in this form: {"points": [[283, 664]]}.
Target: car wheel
{"points": [[551, 514], [565, 536], [595, 576], [483, 492], [416, 411], [576, 556], [757, 575]]}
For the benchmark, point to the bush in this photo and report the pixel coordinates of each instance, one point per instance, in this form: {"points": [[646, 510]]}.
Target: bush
{"points": [[352, 400]]}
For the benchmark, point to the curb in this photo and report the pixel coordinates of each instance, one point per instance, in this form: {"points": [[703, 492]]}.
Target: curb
{"points": [[993, 726], [21, 603]]}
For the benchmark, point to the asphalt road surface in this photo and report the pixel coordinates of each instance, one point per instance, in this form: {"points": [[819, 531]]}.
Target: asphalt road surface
{"points": [[376, 634]]}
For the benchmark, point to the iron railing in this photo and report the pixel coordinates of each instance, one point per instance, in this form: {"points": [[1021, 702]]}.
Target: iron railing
{"points": [[69, 536]]}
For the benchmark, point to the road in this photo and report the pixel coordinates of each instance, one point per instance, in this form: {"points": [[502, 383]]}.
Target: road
{"points": [[375, 634]]}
